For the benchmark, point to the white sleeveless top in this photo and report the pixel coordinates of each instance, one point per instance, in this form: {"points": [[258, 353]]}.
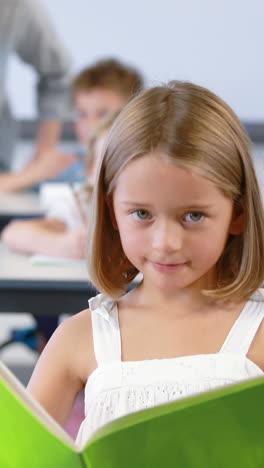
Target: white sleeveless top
{"points": [[116, 387]]}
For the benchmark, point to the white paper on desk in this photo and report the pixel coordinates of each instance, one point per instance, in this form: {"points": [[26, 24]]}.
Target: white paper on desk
{"points": [[60, 261], [58, 201]]}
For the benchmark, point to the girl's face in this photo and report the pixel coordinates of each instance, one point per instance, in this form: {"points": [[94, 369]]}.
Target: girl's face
{"points": [[173, 223]]}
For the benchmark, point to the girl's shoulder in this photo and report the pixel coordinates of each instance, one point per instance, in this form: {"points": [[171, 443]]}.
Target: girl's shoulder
{"points": [[75, 334], [80, 322]]}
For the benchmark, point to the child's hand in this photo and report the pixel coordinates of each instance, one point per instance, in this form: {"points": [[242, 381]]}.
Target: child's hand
{"points": [[74, 243]]}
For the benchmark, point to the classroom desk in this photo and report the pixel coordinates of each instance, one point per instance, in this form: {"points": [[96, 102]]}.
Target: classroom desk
{"points": [[19, 205], [41, 289]]}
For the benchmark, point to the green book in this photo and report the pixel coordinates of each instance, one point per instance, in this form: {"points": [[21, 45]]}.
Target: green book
{"points": [[223, 428]]}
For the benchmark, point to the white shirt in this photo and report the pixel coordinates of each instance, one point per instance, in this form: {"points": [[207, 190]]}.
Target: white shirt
{"points": [[59, 202], [116, 388]]}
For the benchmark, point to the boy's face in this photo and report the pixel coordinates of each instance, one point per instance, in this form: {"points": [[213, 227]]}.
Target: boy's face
{"points": [[92, 106]]}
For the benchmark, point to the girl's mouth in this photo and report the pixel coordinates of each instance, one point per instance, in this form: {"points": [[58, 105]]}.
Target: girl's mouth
{"points": [[168, 267]]}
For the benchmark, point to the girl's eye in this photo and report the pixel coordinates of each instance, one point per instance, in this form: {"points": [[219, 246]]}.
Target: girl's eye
{"points": [[194, 217], [141, 214]]}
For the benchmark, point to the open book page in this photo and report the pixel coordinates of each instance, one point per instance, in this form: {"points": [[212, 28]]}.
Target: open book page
{"points": [[219, 428], [33, 406]]}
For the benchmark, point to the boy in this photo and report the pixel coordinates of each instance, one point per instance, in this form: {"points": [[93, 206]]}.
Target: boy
{"points": [[98, 90], [103, 87]]}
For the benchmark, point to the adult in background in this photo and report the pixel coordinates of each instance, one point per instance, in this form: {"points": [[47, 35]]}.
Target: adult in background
{"points": [[26, 30]]}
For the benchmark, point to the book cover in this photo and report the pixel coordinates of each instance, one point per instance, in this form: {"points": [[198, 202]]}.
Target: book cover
{"points": [[222, 428]]}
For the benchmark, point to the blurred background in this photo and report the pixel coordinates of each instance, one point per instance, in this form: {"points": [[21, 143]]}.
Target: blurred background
{"points": [[215, 44], [218, 44]]}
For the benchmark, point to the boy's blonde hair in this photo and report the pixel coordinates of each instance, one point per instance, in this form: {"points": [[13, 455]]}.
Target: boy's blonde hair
{"points": [[195, 129], [109, 74]]}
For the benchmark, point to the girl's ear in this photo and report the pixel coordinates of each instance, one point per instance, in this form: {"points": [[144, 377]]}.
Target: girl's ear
{"points": [[109, 202], [237, 225]]}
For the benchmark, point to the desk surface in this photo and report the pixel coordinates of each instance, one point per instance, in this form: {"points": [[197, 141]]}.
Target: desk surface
{"points": [[16, 267], [20, 204], [42, 289]]}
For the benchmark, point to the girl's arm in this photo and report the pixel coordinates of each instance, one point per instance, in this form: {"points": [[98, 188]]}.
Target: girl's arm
{"points": [[44, 236], [64, 366]]}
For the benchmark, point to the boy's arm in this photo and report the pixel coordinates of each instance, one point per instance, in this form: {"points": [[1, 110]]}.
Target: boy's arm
{"points": [[31, 236], [45, 236], [49, 165], [64, 366], [48, 134]]}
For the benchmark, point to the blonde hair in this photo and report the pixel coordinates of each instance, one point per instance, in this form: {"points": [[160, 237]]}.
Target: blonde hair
{"points": [[109, 74], [194, 129]]}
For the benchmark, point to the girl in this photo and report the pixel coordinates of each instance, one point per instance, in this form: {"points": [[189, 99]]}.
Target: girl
{"points": [[176, 199]]}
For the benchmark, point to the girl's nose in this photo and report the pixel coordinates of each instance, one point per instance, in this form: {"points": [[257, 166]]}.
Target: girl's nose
{"points": [[167, 237]]}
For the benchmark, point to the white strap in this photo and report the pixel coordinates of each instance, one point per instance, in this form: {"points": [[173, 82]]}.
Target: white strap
{"points": [[244, 329], [106, 334]]}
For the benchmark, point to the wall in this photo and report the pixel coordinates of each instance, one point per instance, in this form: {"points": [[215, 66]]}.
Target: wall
{"points": [[217, 44]]}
